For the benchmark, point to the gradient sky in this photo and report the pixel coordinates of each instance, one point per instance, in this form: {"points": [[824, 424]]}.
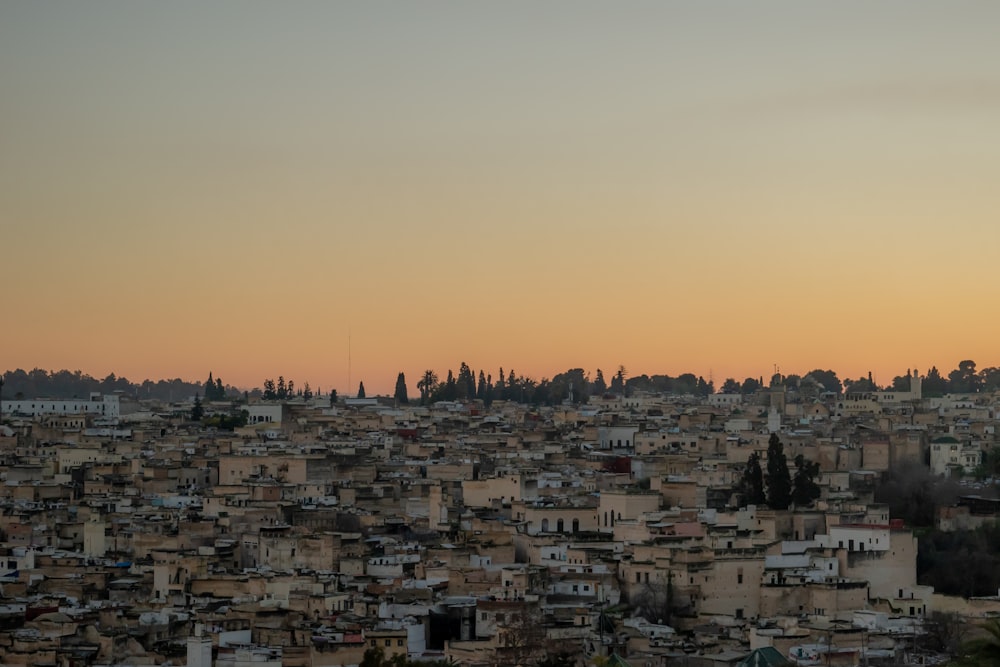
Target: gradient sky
{"points": [[713, 187]]}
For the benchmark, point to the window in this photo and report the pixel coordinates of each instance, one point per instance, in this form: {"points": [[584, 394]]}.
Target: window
{"points": [[399, 642], [739, 578]]}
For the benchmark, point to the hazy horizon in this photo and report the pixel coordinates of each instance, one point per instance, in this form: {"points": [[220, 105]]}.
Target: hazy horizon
{"points": [[374, 387], [715, 188]]}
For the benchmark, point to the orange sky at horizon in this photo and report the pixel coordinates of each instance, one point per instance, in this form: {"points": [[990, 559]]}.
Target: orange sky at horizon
{"points": [[711, 188]]}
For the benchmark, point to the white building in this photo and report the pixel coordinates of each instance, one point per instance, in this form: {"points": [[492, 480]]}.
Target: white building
{"points": [[107, 407]]}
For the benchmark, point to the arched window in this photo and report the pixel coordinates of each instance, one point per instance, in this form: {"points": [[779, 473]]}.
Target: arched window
{"points": [[559, 526], [545, 525], [576, 525]]}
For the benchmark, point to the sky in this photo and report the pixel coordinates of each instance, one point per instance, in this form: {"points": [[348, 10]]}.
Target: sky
{"points": [[338, 192]]}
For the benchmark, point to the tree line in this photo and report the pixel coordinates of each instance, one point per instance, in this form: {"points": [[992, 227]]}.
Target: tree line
{"points": [[963, 379], [282, 390], [38, 383], [575, 384]]}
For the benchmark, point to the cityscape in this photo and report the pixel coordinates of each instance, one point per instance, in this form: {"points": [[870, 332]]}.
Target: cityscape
{"points": [[499, 334], [641, 521]]}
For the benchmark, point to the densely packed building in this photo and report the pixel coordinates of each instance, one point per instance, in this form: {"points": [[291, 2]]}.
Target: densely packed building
{"points": [[609, 532]]}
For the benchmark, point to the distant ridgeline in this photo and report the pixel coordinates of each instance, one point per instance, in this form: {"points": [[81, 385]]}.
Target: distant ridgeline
{"points": [[38, 383]]}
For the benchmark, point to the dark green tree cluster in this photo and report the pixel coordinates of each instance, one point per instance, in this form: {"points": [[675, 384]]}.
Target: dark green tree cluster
{"points": [[805, 490], [684, 384], [197, 410], [751, 486], [984, 650], [732, 386], [778, 479], [964, 562], [777, 487], [914, 494], [76, 384], [282, 391], [227, 422], [510, 387], [214, 389], [964, 379]]}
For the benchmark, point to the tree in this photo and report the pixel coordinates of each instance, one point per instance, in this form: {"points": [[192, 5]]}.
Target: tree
{"points": [[990, 379], [804, 488], [943, 632], [209, 387], [427, 385], [307, 392], [449, 390], [984, 651], [902, 382], [730, 386], [933, 385], [861, 385], [964, 380], [828, 379], [465, 387], [656, 602], [914, 494], [282, 391], [600, 386], [361, 390], [778, 479], [618, 381], [401, 389], [573, 382], [751, 484], [333, 397], [488, 396], [270, 393], [521, 638], [481, 386], [750, 386], [197, 412]]}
